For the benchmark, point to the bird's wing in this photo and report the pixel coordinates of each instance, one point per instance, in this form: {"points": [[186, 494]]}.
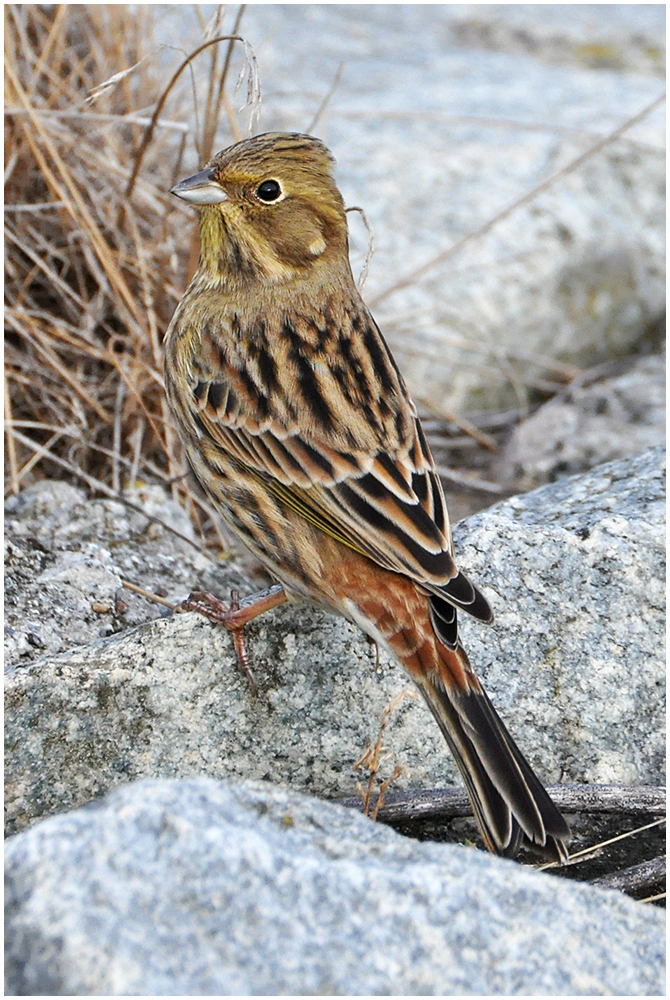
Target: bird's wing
{"points": [[329, 429]]}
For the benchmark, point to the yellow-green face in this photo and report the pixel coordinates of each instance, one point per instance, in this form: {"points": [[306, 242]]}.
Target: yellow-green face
{"points": [[272, 199]]}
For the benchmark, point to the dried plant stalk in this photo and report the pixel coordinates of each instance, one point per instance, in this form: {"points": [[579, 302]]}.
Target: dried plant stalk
{"points": [[97, 250], [371, 758]]}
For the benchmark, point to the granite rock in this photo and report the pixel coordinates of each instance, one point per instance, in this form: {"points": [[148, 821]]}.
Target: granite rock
{"points": [[198, 888], [575, 665], [67, 559], [584, 425]]}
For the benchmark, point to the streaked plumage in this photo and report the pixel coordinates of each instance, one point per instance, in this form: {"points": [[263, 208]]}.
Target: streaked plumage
{"points": [[297, 423]]}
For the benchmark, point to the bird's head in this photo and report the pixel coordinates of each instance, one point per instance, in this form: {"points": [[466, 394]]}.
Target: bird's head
{"points": [[269, 208]]}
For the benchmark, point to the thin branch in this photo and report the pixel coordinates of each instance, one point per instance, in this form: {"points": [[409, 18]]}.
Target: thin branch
{"points": [[149, 596], [100, 487], [11, 444], [633, 879], [149, 131], [464, 424], [94, 116], [35, 206], [595, 850], [363, 277], [209, 139], [326, 101], [452, 802], [653, 899], [471, 481]]}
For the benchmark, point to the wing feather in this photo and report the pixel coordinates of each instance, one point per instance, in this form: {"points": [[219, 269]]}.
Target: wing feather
{"points": [[337, 440]]}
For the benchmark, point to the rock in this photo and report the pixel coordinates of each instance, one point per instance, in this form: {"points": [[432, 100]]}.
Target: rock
{"points": [[623, 37], [197, 888], [584, 426], [167, 699], [575, 571], [446, 115], [66, 558], [575, 665]]}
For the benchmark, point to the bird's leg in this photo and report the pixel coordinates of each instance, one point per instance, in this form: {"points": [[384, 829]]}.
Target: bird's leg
{"points": [[239, 612], [235, 616]]}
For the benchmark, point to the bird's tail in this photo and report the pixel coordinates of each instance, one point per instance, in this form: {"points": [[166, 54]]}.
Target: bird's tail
{"points": [[508, 799]]}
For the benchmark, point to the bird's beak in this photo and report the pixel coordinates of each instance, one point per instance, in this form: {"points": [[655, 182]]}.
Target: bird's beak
{"points": [[200, 189]]}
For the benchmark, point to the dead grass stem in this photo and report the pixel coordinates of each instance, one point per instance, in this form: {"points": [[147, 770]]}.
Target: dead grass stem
{"points": [[97, 251]]}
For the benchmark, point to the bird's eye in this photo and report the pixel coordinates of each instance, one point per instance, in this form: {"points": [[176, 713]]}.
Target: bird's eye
{"points": [[268, 190]]}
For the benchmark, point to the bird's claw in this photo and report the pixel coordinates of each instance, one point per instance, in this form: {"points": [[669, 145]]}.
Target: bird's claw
{"points": [[227, 615]]}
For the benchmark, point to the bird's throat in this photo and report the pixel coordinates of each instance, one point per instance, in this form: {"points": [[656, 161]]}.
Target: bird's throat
{"points": [[234, 254]]}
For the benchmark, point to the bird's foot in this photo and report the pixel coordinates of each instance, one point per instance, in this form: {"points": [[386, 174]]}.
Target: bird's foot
{"points": [[235, 616]]}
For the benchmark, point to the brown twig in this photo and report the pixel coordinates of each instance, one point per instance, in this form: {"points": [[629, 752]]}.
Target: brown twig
{"points": [[149, 596], [468, 426], [631, 880], [471, 481], [66, 190], [370, 758], [382, 791], [327, 99], [149, 131], [208, 140], [453, 802]]}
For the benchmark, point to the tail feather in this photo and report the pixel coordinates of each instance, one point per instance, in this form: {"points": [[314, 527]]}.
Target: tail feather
{"points": [[555, 828], [508, 799], [498, 827]]}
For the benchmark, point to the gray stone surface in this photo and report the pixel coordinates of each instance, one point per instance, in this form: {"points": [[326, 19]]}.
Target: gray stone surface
{"points": [[575, 572], [66, 558], [445, 115], [197, 888], [600, 36], [585, 425], [575, 664]]}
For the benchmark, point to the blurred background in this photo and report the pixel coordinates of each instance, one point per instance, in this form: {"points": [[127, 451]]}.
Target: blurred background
{"points": [[510, 163]]}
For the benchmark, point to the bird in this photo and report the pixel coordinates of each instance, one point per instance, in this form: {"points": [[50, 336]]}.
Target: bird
{"points": [[296, 420]]}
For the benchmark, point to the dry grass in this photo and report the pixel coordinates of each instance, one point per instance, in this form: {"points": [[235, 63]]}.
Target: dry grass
{"points": [[98, 252], [372, 757]]}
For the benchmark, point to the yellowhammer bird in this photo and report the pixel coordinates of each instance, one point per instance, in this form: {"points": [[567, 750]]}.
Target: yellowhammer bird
{"points": [[297, 423]]}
